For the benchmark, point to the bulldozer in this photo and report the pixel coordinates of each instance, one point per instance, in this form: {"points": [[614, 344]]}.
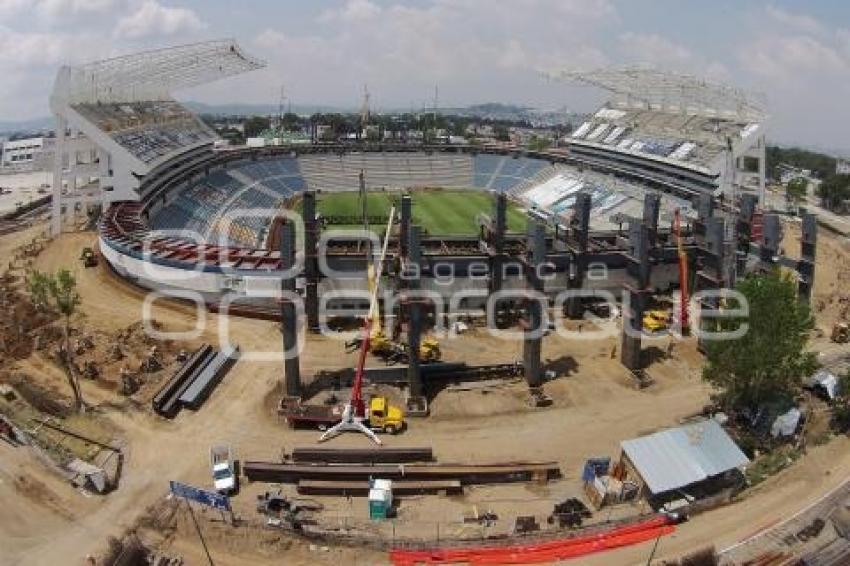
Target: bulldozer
{"points": [[840, 333], [656, 320], [88, 257]]}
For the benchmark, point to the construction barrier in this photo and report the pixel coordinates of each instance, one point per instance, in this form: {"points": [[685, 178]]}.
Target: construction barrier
{"points": [[541, 552]]}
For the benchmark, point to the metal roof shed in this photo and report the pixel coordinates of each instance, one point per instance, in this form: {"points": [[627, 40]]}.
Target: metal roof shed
{"points": [[678, 457]]}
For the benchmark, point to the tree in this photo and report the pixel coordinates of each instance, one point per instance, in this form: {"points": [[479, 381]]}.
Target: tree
{"points": [[500, 132], [38, 287], [834, 190], [255, 125], [769, 361], [796, 189], [536, 143], [63, 291]]}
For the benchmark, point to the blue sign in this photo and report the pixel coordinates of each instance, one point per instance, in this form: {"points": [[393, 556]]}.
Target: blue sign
{"points": [[202, 496]]}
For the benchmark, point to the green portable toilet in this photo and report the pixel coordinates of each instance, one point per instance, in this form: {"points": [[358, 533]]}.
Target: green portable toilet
{"points": [[380, 502]]}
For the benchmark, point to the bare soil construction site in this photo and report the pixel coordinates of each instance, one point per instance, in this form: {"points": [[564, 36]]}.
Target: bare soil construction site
{"points": [[595, 405]]}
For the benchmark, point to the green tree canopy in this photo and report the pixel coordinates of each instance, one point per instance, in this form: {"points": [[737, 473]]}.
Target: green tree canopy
{"points": [[834, 190], [38, 287], [769, 361], [255, 125], [796, 188]]}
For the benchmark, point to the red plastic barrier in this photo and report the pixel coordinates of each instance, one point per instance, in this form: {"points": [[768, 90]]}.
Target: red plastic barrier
{"points": [[540, 552]]}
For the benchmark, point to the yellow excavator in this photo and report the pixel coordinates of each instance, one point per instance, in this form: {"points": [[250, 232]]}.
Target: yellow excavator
{"points": [[656, 320], [393, 351]]}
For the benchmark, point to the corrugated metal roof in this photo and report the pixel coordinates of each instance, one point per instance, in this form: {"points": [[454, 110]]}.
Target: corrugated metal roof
{"points": [[677, 457]]}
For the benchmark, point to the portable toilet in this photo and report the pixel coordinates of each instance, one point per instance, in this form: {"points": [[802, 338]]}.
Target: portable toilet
{"points": [[380, 498], [380, 502]]}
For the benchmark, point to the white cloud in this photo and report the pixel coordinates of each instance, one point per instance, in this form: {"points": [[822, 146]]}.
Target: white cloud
{"points": [[801, 22], [153, 19], [51, 10], [788, 57], [352, 11], [653, 49], [38, 49]]}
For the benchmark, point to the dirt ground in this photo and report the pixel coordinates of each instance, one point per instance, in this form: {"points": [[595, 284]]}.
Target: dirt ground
{"points": [[596, 405]]}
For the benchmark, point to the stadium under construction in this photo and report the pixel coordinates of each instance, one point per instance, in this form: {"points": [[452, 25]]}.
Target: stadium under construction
{"points": [[415, 257]]}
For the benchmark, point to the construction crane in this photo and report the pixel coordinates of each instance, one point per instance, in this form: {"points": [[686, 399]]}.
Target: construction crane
{"points": [[683, 273], [354, 413]]}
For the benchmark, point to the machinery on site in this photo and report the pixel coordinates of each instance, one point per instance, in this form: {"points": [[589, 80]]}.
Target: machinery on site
{"points": [[222, 469], [354, 417], [840, 333], [380, 416], [393, 351], [656, 320], [88, 257]]}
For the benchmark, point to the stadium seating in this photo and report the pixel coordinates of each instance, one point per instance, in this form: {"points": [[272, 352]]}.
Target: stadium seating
{"points": [[148, 130], [678, 137], [386, 170]]}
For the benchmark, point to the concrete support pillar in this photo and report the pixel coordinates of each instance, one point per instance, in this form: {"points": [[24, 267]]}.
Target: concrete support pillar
{"points": [[533, 342], [497, 259], [806, 264], [651, 211], [289, 315], [746, 213], [771, 237], [635, 294], [311, 265], [580, 225], [405, 216], [414, 306], [705, 211]]}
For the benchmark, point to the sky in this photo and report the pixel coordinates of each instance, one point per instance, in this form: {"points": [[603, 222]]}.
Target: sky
{"points": [[324, 51]]}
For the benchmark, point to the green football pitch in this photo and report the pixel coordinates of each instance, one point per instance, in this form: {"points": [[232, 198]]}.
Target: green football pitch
{"points": [[437, 211]]}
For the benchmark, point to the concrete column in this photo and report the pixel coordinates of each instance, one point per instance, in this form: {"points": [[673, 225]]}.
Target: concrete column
{"points": [[58, 164], [635, 294], [705, 211], [808, 251], [771, 237], [533, 342], [580, 226], [311, 265], [414, 305], [500, 207], [289, 316], [406, 214], [651, 211]]}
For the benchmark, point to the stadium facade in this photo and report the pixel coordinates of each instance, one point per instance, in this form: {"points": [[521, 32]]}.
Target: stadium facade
{"points": [[181, 213]]}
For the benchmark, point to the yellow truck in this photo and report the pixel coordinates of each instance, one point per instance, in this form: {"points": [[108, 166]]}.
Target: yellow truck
{"points": [[381, 416]]}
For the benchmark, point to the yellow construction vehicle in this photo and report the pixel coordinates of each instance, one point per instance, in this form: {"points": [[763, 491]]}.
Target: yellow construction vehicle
{"points": [[840, 333], [384, 417], [656, 320], [429, 350], [392, 351]]}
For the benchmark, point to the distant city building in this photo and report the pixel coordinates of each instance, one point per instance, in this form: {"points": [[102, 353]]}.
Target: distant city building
{"points": [[842, 167], [30, 153]]}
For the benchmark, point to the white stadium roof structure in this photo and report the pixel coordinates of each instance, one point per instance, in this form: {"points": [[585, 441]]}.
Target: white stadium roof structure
{"points": [[671, 91], [118, 124], [687, 128], [153, 75]]}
